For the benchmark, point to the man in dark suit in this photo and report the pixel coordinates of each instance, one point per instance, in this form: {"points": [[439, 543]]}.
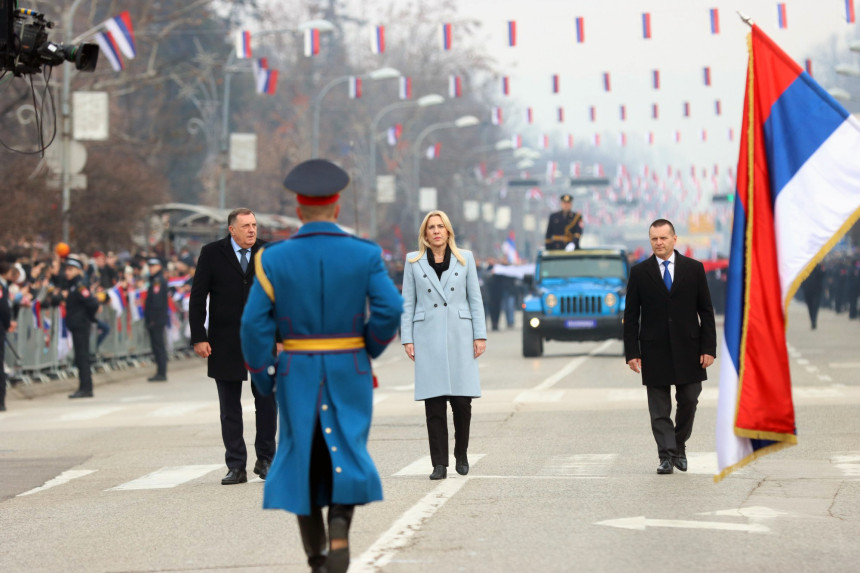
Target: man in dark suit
{"points": [[670, 337], [225, 273], [564, 227]]}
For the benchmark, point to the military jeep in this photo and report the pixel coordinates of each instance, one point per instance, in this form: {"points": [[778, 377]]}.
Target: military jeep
{"points": [[578, 296]]}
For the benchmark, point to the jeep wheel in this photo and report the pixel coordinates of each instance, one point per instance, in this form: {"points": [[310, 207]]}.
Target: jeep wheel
{"points": [[532, 343]]}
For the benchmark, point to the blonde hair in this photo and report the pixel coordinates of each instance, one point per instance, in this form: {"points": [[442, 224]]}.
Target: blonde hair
{"points": [[423, 245]]}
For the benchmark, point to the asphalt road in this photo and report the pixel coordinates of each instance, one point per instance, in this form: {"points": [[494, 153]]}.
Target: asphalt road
{"points": [[563, 476]]}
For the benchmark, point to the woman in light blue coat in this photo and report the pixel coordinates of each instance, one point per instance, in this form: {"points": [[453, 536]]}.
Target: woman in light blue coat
{"points": [[443, 331]]}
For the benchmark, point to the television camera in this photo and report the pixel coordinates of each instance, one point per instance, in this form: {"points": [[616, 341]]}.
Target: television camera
{"points": [[25, 47]]}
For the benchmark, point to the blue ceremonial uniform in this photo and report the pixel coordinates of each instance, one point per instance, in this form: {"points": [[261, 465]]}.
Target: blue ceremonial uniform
{"points": [[314, 289]]}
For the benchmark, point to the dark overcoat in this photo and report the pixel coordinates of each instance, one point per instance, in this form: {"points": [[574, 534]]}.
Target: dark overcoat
{"points": [[669, 330], [321, 283], [219, 276]]}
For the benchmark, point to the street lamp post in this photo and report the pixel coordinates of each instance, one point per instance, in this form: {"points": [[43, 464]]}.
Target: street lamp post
{"points": [[65, 110], [380, 74], [425, 101], [465, 121]]}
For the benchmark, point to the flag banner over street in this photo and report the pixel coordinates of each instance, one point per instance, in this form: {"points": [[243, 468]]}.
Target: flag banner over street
{"points": [[798, 193]]}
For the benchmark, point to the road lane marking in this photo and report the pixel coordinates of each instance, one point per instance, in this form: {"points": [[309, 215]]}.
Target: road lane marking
{"points": [[90, 413], [422, 466], [403, 387], [167, 477], [383, 550], [844, 365], [177, 410], [567, 369], [544, 396], [752, 512], [642, 522], [387, 361], [378, 397], [61, 479], [848, 464], [137, 398], [581, 465]]}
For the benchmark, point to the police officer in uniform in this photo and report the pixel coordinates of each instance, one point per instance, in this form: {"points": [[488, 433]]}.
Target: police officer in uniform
{"points": [[315, 291], [155, 316], [6, 322], [564, 226], [81, 308]]}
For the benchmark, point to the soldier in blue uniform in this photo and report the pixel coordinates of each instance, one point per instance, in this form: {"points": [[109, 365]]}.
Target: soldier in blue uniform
{"points": [[564, 227], [81, 309], [314, 291]]}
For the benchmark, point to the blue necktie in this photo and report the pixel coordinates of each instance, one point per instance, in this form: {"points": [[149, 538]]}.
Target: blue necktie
{"points": [[667, 276], [244, 260]]}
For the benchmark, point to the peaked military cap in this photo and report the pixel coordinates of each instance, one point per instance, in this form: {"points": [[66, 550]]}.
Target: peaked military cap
{"points": [[567, 197], [153, 261], [316, 182], [73, 262]]}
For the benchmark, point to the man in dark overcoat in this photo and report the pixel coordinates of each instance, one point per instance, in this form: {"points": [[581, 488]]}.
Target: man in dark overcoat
{"points": [[81, 309], [670, 337], [225, 273]]}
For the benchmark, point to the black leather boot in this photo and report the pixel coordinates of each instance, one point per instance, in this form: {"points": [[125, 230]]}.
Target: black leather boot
{"points": [[312, 529], [339, 520]]}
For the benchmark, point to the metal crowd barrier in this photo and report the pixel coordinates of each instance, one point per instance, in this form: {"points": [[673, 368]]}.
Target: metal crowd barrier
{"points": [[41, 353]]}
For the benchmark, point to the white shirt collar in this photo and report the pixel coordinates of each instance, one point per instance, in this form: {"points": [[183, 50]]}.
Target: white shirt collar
{"points": [[671, 260], [236, 246]]}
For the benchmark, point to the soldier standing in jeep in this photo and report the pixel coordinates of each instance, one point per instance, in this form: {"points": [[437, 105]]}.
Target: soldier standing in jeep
{"points": [[564, 227]]}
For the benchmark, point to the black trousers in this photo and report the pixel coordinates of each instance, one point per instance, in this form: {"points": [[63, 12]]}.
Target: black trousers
{"points": [[2, 369], [159, 349], [436, 412], [232, 429], [81, 346], [671, 437]]}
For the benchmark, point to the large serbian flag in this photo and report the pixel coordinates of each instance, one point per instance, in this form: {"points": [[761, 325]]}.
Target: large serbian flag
{"points": [[798, 193]]}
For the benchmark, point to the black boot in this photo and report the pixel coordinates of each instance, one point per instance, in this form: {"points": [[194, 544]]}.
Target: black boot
{"points": [[312, 529], [339, 519]]}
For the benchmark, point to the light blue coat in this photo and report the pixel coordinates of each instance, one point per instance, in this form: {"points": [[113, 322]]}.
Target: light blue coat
{"points": [[324, 281], [443, 318]]}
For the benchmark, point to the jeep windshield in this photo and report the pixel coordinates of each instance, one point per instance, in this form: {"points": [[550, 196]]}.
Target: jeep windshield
{"points": [[600, 267]]}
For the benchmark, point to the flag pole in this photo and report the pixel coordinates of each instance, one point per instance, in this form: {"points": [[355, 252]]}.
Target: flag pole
{"points": [[747, 20]]}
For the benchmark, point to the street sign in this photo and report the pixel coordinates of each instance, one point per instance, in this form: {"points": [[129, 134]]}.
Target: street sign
{"points": [[243, 151], [77, 157], [386, 189], [90, 116], [427, 199]]}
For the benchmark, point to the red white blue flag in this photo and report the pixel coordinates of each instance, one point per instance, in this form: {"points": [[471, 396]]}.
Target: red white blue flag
{"points": [[530, 116], [650, 138], [579, 24], [561, 115], [354, 87], [517, 141], [656, 79], [123, 34], [850, 16], [446, 38], [377, 40], [622, 112], [808, 66], [434, 150], [592, 113], [707, 75], [784, 183], [455, 86], [555, 83], [496, 116], [646, 25], [543, 142], [704, 135], [506, 85], [686, 109], [570, 141], [622, 139], [509, 248], [715, 21], [655, 111], [512, 33], [607, 86], [108, 47], [312, 42], [270, 82], [782, 15], [595, 140], [394, 134], [405, 87], [718, 107]]}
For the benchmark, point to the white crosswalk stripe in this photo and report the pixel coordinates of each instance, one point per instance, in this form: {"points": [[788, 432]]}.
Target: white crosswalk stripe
{"points": [[90, 413], [167, 477], [579, 465], [423, 466], [61, 479]]}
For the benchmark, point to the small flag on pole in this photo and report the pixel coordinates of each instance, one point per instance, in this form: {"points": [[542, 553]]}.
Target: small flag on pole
{"points": [[686, 109], [595, 140], [718, 107], [123, 35], [354, 87], [455, 86], [655, 111], [704, 135], [731, 134], [394, 134], [850, 17], [447, 30], [543, 142], [715, 20], [555, 83], [622, 112], [506, 85], [405, 87], [781, 13], [109, 48], [808, 66], [530, 116], [312, 42], [570, 141], [592, 113], [650, 138], [622, 139], [677, 136], [606, 84], [707, 75], [561, 115], [579, 24], [496, 116], [434, 150], [377, 40], [517, 141], [512, 33], [656, 79], [646, 25]]}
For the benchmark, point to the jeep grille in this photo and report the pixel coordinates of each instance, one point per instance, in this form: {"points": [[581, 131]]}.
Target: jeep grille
{"points": [[580, 304]]}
